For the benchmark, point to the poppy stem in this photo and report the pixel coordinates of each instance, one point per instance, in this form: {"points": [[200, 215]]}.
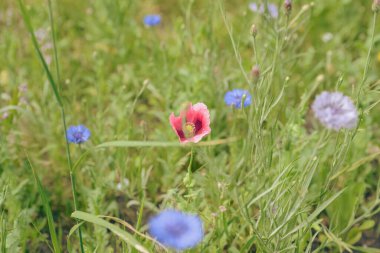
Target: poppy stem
{"points": [[191, 161], [188, 180]]}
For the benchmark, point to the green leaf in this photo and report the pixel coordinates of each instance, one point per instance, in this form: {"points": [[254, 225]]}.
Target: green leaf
{"points": [[342, 211], [354, 236], [47, 209], [366, 249], [125, 236], [38, 50], [368, 224], [137, 144], [316, 212], [3, 231]]}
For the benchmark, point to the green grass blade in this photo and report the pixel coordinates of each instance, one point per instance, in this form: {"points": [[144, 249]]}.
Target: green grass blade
{"points": [[39, 53], [366, 249], [55, 90], [128, 238], [316, 213], [3, 232], [47, 209], [54, 36], [136, 144]]}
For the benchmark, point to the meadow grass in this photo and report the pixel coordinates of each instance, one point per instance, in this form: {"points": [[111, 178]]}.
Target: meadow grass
{"points": [[269, 177]]}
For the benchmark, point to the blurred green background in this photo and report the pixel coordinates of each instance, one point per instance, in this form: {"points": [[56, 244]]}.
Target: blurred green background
{"points": [[280, 181]]}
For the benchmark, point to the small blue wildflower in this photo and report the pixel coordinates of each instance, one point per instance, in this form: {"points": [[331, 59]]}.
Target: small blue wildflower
{"points": [[78, 134], [176, 229], [152, 20], [272, 9], [255, 8], [236, 97]]}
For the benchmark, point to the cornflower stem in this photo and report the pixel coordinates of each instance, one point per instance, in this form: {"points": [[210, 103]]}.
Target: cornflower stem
{"points": [[59, 100], [56, 92], [368, 57], [72, 176], [237, 54]]}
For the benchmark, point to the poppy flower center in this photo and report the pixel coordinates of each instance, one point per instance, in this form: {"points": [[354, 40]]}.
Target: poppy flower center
{"points": [[189, 130]]}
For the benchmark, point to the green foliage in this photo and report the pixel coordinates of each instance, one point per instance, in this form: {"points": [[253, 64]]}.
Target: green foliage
{"points": [[47, 210], [269, 178]]}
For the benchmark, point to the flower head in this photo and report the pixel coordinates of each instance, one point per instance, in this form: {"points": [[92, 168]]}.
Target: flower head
{"points": [[255, 71], [255, 8], [376, 5], [193, 124], [335, 111], [272, 9], [78, 134], [288, 6], [176, 229], [237, 97], [152, 20]]}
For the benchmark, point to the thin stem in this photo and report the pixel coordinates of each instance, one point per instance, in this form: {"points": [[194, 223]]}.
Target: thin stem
{"points": [[72, 177], [237, 54], [368, 57], [54, 45], [255, 50], [191, 161], [57, 95]]}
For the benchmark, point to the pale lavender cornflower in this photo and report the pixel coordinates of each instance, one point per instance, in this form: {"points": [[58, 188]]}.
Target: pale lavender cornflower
{"points": [[272, 9], [255, 8], [335, 111]]}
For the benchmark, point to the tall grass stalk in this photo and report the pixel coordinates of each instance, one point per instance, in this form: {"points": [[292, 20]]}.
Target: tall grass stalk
{"points": [[57, 96], [365, 72]]}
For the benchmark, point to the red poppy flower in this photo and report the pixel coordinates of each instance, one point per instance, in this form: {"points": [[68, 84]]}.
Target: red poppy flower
{"points": [[193, 124]]}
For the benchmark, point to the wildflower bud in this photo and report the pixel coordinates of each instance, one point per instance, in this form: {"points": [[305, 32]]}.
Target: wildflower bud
{"points": [[288, 6], [376, 5], [255, 72], [253, 30]]}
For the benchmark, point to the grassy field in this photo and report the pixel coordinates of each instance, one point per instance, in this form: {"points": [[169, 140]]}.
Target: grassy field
{"points": [[270, 177]]}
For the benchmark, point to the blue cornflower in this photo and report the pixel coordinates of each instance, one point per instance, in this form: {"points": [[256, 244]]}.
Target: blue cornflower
{"points": [[272, 9], [176, 229], [78, 134], [236, 97], [255, 8], [152, 20]]}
